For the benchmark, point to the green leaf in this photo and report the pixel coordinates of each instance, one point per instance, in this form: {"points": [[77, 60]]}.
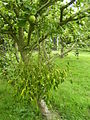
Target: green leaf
{"points": [[21, 22]]}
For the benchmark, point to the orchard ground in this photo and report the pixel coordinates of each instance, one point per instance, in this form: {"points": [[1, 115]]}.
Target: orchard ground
{"points": [[71, 100]]}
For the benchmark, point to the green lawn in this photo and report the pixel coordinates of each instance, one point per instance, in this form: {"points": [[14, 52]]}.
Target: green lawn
{"points": [[11, 109], [71, 100]]}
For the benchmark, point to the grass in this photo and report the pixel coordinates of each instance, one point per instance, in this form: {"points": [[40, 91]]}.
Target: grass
{"points": [[11, 109], [71, 100]]}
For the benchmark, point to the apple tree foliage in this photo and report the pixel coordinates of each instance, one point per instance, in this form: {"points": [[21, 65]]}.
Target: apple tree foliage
{"points": [[73, 20]]}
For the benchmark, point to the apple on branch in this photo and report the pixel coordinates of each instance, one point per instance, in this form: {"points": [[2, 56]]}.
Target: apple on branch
{"points": [[32, 19]]}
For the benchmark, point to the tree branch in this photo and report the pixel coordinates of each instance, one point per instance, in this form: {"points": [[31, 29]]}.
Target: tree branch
{"points": [[31, 28], [35, 43], [42, 7], [70, 49], [47, 4], [62, 9], [11, 30], [80, 17], [61, 16], [72, 18], [16, 10], [67, 5]]}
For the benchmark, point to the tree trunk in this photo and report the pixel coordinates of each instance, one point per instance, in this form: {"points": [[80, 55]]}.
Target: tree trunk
{"points": [[44, 109], [17, 54], [21, 45], [62, 48], [62, 51]]}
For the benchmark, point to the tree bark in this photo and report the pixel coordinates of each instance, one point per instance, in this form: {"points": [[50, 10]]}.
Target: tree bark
{"points": [[17, 53], [21, 44], [44, 110], [62, 48]]}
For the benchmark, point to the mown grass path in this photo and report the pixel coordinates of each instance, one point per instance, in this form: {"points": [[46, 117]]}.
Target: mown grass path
{"points": [[72, 99]]}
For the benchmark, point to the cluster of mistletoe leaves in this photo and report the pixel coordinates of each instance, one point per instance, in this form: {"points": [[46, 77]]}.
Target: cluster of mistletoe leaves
{"points": [[34, 80]]}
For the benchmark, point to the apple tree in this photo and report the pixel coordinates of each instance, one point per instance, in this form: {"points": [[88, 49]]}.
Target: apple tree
{"points": [[29, 24]]}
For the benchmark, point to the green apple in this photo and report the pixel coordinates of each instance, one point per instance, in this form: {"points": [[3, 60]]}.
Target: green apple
{"points": [[32, 19]]}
